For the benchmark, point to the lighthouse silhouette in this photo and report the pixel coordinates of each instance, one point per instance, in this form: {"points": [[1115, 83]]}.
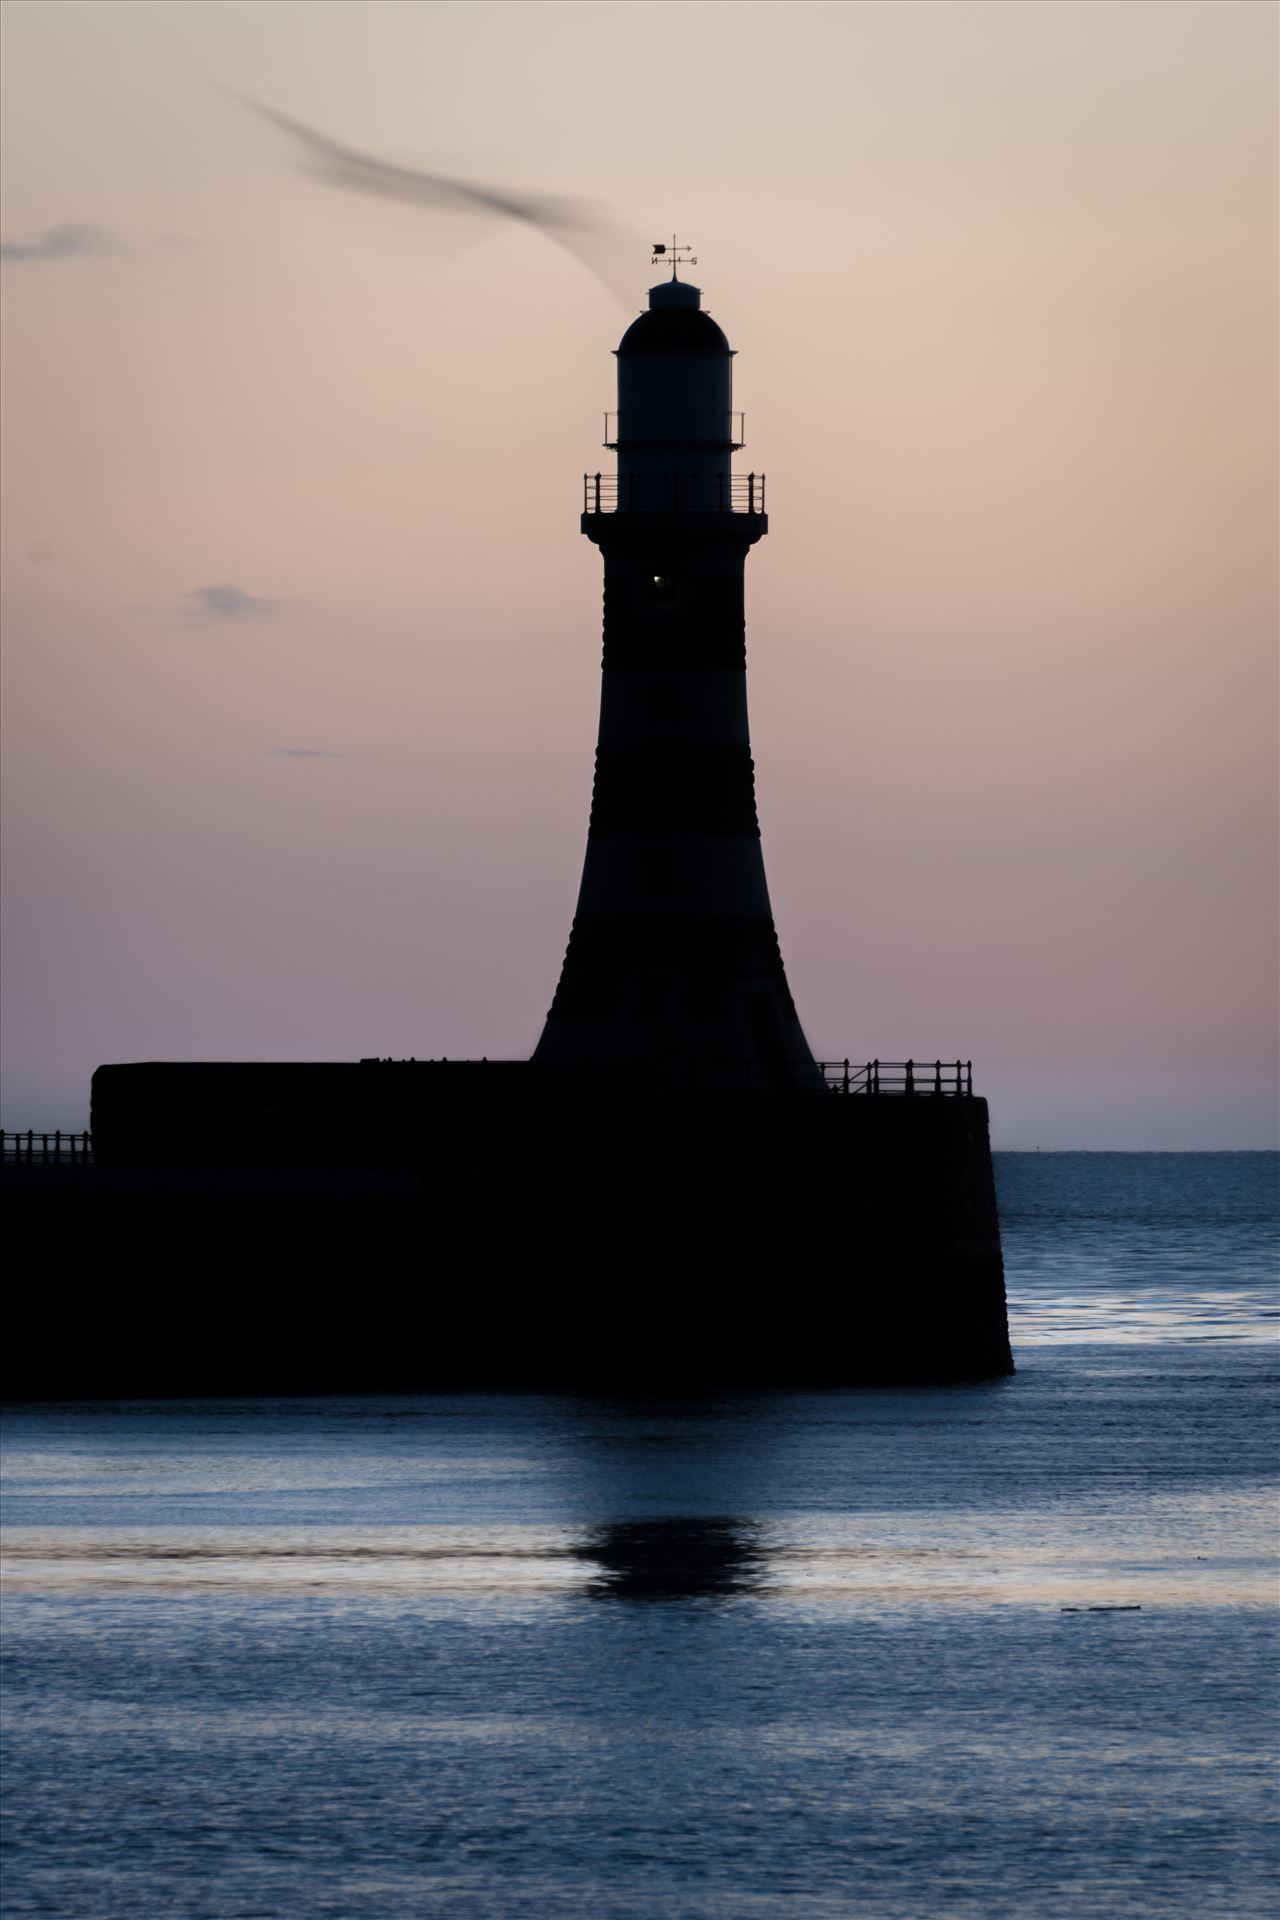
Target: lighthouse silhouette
{"points": [[671, 1193], [673, 964]]}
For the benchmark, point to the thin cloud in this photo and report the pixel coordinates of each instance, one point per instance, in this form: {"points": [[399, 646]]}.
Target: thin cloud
{"points": [[308, 753], [582, 229], [233, 603], [58, 243]]}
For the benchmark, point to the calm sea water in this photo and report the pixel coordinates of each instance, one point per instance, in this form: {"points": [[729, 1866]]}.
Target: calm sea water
{"points": [[802, 1655]]}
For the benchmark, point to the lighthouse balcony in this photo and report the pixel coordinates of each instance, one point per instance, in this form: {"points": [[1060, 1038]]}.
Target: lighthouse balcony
{"points": [[650, 427], [673, 493]]}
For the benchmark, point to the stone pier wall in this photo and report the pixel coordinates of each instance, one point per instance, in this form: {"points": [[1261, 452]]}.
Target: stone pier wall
{"points": [[364, 1228]]}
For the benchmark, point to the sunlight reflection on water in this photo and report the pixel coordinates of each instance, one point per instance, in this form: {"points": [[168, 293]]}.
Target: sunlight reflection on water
{"points": [[1115, 1317], [1140, 1248]]}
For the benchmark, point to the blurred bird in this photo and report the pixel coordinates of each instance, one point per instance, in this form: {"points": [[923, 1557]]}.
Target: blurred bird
{"points": [[583, 230]]}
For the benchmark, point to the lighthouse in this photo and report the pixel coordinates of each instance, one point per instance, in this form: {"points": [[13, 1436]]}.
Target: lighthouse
{"points": [[587, 1216], [673, 967]]}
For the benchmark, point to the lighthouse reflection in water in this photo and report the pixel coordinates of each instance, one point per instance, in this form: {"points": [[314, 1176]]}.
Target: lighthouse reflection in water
{"points": [[674, 1559]]}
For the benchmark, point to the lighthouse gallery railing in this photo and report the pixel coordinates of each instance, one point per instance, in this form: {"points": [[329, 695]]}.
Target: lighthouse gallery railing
{"points": [[673, 493]]}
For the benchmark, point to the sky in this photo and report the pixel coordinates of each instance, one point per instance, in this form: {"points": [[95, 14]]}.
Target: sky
{"points": [[301, 639]]}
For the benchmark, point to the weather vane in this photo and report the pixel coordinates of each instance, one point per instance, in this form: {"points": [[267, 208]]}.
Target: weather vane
{"points": [[678, 256]]}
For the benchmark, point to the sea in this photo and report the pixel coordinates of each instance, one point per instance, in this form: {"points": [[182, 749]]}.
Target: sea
{"points": [[1003, 1651]]}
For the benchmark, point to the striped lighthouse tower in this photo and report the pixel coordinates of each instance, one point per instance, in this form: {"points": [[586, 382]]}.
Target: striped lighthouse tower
{"points": [[673, 966]]}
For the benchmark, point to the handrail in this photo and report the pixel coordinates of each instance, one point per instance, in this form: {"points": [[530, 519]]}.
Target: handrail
{"points": [[673, 493], [944, 1077], [31, 1149]]}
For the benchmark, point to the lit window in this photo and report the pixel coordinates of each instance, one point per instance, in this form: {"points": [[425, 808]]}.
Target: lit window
{"points": [[659, 580]]}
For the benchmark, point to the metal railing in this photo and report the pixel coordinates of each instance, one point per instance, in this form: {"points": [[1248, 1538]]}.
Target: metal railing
{"points": [[46, 1149], [655, 426], [944, 1077], [673, 493]]}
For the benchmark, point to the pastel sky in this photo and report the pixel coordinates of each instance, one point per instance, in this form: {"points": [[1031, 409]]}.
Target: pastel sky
{"points": [[301, 639]]}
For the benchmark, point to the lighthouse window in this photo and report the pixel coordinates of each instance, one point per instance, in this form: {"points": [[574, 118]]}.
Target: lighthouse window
{"points": [[660, 580]]}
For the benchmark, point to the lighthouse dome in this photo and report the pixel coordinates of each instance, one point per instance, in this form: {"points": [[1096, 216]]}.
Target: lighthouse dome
{"points": [[674, 324]]}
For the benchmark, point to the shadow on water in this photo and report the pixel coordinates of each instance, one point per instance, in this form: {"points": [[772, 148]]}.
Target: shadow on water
{"points": [[685, 1559]]}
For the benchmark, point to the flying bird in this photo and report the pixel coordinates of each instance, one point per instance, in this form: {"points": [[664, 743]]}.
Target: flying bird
{"points": [[582, 229]]}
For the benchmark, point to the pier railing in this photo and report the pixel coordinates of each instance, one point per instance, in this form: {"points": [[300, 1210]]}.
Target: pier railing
{"points": [[940, 1077], [673, 493], [46, 1149]]}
